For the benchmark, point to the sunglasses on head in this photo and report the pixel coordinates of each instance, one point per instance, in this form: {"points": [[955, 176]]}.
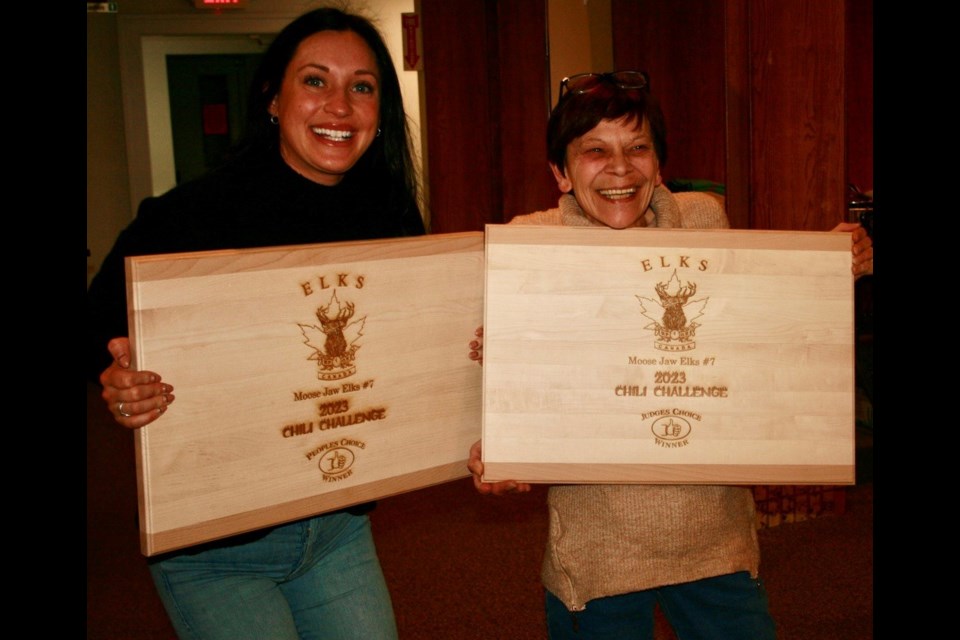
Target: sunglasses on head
{"points": [[587, 82]]}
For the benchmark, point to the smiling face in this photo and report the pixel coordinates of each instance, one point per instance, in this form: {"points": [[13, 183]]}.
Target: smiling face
{"points": [[612, 170], [328, 105]]}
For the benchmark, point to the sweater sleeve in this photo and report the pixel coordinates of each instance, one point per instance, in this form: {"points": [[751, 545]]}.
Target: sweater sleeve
{"points": [[701, 210], [107, 294]]}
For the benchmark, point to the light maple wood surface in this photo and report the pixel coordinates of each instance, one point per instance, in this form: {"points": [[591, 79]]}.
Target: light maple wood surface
{"points": [[569, 320], [237, 334]]}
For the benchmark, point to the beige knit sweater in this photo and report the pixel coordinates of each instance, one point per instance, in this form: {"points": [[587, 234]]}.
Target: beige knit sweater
{"points": [[607, 540]]}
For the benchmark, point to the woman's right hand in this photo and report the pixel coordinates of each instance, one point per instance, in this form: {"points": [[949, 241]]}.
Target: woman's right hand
{"points": [[476, 346], [134, 398], [475, 461]]}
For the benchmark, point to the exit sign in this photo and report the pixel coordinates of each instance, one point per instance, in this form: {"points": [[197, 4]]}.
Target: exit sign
{"points": [[219, 4]]}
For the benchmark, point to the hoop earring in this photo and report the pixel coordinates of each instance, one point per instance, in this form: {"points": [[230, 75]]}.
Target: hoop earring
{"points": [[378, 132], [274, 120]]}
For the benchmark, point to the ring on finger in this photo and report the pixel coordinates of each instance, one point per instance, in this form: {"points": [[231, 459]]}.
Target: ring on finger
{"points": [[122, 412]]}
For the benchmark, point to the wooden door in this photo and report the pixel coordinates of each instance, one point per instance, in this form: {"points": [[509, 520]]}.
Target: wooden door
{"points": [[486, 76]]}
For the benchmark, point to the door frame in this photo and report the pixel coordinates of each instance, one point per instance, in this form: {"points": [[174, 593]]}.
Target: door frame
{"points": [[144, 43]]}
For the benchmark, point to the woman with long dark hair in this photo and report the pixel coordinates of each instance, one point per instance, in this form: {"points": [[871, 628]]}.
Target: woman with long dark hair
{"points": [[326, 158]]}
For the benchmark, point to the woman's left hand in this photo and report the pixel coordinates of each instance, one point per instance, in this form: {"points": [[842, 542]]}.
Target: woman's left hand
{"points": [[862, 248], [475, 466]]}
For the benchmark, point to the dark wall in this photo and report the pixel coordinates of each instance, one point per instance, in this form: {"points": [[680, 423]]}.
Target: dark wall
{"points": [[859, 97]]}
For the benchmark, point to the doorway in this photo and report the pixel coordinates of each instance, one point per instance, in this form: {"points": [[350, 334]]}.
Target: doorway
{"points": [[207, 108]]}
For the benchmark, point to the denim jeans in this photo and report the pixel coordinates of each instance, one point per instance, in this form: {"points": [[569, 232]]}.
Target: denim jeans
{"points": [[318, 578], [730, 607]]}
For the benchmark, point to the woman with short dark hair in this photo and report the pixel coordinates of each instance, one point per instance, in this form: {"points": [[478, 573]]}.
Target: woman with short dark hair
{"points": [[616, 551]]}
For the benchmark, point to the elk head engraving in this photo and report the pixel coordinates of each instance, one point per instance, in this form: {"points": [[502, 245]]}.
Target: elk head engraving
{"points": [[673, 316], [335, 344]]}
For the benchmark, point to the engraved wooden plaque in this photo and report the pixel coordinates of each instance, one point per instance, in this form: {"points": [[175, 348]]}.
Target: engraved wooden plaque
{"points": [[307, 379], [668, 356]]}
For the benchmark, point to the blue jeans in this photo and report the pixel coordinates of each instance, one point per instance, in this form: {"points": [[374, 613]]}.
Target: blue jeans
{"points": [[318, 578], [730, 607]]}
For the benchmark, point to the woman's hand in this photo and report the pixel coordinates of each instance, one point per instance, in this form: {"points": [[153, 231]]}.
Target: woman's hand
{"points": [[474, 464], [862, 248], [135, 398], [476, 346], [496, 488]]}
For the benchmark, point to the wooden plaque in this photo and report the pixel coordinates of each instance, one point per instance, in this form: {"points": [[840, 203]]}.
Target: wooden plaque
{"points": [[668, 356], [307, 379]]}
